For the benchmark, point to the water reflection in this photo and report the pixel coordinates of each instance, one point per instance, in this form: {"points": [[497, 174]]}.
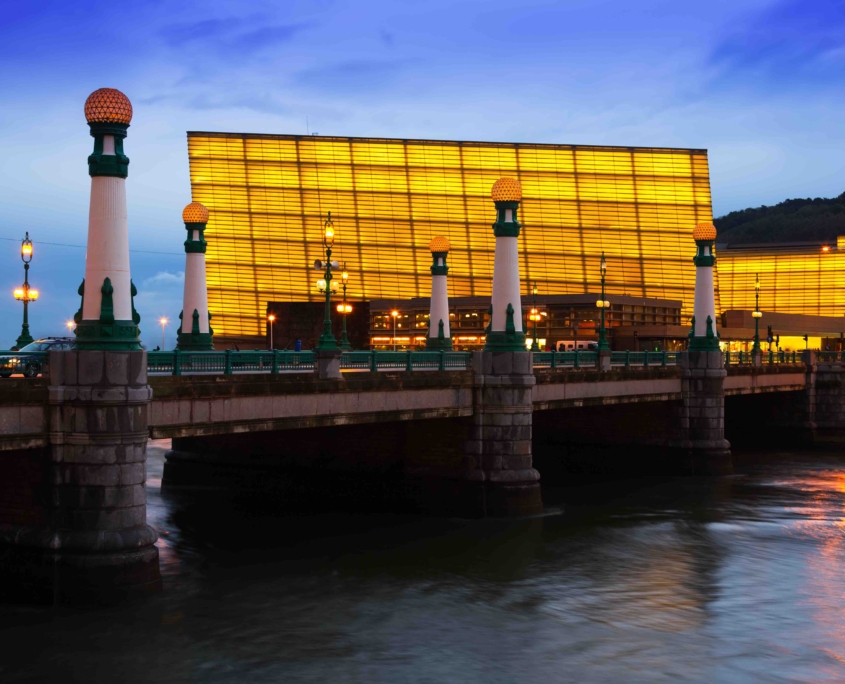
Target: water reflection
{"points": [[730, 580]]}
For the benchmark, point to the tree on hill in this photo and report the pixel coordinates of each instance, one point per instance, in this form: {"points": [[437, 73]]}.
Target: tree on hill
{"points": [[793, 220]]}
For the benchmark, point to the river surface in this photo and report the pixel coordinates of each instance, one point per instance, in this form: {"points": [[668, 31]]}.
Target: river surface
{"points": [[737, 579]]}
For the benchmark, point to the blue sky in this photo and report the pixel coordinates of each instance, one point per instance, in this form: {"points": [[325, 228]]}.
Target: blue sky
{"points": [[758, 83]]}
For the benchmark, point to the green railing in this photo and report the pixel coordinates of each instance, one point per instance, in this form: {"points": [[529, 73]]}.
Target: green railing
{"points": [[229, 362], [405, 360], [643, 358], [771, 357], [831, 357], [28, 364], [572, 359]]}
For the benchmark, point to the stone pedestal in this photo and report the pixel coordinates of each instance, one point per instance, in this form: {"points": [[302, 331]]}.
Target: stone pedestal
{"points": [[604, 360], [823, 419], [328, 364], [93, 543], [702, 412], [498, 450], [757, 359]]}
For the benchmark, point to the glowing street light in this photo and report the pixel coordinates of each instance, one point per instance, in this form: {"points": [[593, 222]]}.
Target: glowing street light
{"points": [[395, 315], [25, 294], [69, 325], [757, 315], [272, 319], [344, 309], [327, 285], [603, 305], [163, 321]]}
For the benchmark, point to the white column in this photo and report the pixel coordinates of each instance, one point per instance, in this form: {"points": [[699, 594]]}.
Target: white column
{"points": [[705, 299], [506, 288], [195, 294], [108, 246], [439, 310]]}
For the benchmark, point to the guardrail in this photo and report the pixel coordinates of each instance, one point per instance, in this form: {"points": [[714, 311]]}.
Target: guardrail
{"points": [[643, 358], [229, 362], [573, 359], [830, 357], [232, 362], [28, 364], [405, 360], [770, 357]]}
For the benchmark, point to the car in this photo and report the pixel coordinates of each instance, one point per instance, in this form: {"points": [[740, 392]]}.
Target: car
{"points": [[31, 365]]}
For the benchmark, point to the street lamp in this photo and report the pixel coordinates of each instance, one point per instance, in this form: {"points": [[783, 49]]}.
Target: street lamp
{"points": [[271, 318], [69, 325], [395, 315], [25, 294], [163, 322], [603, 306], [327, 286], [344, 310], [535, 316], [757, 315]]}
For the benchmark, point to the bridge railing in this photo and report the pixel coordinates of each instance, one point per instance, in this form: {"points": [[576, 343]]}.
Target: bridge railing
{"points": [[229, 362], [572, 359], [28, 364], [831, 357], [405, 360], [741, 358]]}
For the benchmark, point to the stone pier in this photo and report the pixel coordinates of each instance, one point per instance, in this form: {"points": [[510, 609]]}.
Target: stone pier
{"points": [[91, 542], [498, 450], [701, 415]]}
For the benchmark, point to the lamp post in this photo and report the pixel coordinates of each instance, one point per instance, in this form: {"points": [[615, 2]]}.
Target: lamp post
{"points": [[163, 322], [603, 305], [25, 294], [534, 318], [395, 315], [272, 319], [325, 285], [757, 314], [344, 309]]}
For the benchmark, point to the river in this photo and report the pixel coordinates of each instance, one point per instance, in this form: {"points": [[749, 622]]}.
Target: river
{"points": [[736, 579]]}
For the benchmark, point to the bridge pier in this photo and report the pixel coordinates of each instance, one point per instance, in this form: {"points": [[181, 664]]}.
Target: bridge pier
{"points": [[498, 450], [701, 416], [823, 419], [91, 542]]}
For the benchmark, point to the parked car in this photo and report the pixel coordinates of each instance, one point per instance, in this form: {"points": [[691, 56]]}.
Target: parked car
{"points": [[583, 345], [31, 366]]}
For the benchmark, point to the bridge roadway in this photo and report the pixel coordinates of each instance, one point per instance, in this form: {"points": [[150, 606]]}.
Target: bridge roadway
{"points": [[185, 406]]}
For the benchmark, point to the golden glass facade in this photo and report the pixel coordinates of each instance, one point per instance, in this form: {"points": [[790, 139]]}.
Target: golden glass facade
{"points": [[800, 280], [269, 194]]}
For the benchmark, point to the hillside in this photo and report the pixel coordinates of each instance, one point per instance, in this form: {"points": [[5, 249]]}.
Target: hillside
{"points": [[793, 220]]}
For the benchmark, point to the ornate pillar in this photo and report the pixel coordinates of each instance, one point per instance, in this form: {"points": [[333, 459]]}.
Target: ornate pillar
{"points": [[439, 337], [195, 333], [498, 452], [92, 542]]}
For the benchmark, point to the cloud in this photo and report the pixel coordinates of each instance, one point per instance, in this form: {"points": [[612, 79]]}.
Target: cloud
{"points": [[164, 279], [351, 76], [178, 35]]}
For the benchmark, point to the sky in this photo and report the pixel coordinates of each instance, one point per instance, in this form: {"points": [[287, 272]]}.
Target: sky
{"points": [[758, 83]]}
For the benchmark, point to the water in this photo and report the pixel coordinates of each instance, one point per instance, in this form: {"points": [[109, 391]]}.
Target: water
{"points": [[735, 579]]}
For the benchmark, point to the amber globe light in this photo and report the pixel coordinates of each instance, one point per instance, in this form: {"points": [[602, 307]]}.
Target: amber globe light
{"points": [[439, 244], [195, 213], [704, 232], [108, 105], [506, 190]]}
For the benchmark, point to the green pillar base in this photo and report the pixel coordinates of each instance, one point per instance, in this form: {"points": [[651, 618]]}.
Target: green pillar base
{"points": [[703, 344], [194, 341], [23, 339], [438, 344], [116, 336], [500, 341]]}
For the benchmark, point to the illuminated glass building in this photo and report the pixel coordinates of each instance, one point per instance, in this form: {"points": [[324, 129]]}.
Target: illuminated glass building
{"points": [[796, 278], [269, 194]]}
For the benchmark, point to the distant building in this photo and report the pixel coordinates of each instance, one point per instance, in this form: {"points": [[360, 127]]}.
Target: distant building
{"points": [[269, 194]]}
